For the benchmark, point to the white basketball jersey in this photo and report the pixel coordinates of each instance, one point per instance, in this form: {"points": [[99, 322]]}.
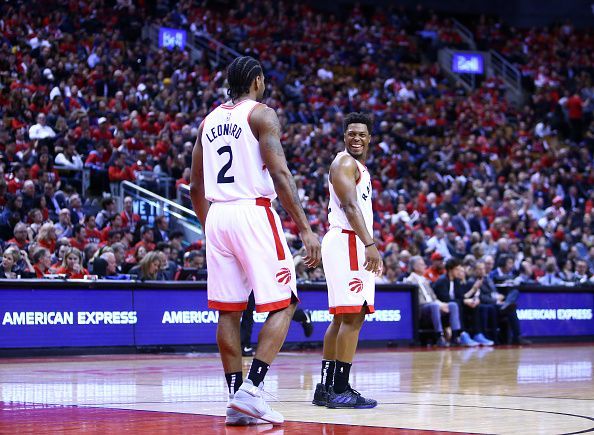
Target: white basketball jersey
{"points": [[336, 216], [233, 166]]}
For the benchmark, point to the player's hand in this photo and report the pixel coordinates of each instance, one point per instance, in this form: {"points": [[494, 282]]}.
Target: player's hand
{"points": [[373, 260], [313, 249]]}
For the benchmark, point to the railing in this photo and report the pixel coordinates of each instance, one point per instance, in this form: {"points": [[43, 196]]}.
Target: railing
{"points": [[198, 43], [503, 69], [220, 54], [183, 195], [464, 33], [445, 61], [151, 32], [148, 205]]}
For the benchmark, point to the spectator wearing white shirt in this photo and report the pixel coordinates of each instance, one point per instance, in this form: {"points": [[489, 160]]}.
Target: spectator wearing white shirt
{"points": [[41, 130], [438, 243], [550, 276], [69, 158]]}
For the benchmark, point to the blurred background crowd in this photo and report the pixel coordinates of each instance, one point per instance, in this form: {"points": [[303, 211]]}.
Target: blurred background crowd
{"points": [[457, 174]]}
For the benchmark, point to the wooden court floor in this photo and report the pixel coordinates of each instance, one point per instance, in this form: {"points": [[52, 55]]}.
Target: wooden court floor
{"points": [[507, 390]]}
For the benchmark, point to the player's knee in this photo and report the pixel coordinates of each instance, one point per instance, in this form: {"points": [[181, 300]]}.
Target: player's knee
{"points": [[353, 320]]}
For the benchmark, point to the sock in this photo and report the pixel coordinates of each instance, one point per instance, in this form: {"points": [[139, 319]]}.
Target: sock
{"points": [[257, 371], [234, 381], [327, 372], [341, 376], [299, 315]]}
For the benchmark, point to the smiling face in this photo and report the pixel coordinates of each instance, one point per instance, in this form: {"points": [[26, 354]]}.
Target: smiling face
{"points": [[356, 139]]}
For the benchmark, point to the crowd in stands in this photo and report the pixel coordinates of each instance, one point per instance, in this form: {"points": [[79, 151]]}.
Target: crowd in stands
{"points": [[457, 174]]}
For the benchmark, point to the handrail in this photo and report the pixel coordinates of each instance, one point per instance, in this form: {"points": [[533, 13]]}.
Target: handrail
{"points": [[198, 42], [464, 33], [507, 71], [157, 197]]}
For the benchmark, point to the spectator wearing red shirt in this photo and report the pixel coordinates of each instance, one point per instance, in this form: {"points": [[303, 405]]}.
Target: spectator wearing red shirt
{"points": [[79, 238], [15, 183], [98, 158], [46, 238], [437, 267], [151, 125], [47, 165], [20, 236], [129, 218], [179, 122], [72, 265], [42, 261], [147, 239], [118, 171], [575, 109], [114, 224], [93, 234], [102, 131]]}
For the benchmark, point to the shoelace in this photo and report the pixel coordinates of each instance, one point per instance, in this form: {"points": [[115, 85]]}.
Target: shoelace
{"points": [[269, 394], [353, 390]]}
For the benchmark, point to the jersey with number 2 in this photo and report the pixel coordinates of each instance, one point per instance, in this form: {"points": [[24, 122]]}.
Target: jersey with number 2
{"points": [[233, 165]]}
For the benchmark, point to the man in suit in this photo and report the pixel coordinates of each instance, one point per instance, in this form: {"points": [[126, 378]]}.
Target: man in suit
{"points": [[478, 223], [460, 222], [573, 202], [161, 229], [448, 288], [497, 305]]}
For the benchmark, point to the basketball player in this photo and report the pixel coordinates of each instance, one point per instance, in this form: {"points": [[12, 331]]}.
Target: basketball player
{"points": [[239, 166], [350, 260]]}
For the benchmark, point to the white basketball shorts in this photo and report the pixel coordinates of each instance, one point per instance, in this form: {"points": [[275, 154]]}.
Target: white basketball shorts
{"points": [[350, 286], [246, 250]]}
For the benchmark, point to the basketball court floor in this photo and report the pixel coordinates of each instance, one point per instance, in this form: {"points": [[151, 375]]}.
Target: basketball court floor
{"points": [[508, 390]]}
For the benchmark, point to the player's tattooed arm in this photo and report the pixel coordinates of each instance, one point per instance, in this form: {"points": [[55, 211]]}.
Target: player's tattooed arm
{"points": [[267, 128], [197, 193]]}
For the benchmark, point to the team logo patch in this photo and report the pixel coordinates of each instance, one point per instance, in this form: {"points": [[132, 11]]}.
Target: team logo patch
{"points": [[356, 285], [283, 276]]}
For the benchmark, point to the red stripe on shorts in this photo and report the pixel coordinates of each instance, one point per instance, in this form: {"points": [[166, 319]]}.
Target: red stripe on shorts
{"points": [[352, 249], [273, 306], [227, 306], [265, 202], [351, 309]]}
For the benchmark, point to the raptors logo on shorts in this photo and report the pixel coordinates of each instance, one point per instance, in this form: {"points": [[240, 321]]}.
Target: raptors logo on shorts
{"points": [[283, 276], [356, 285]]}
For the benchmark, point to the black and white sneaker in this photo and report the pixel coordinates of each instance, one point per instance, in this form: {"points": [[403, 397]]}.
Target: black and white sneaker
{"points": [[247, 351], [320, 395], [350, 398], [307, 325]]}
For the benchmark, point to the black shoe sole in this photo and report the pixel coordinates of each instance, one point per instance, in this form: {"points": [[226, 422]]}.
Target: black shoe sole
{"points": [[319, 402], [346, 406]]}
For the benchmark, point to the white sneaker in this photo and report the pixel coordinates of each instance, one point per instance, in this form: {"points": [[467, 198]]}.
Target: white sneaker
{"points": [[236, 418], [248, 400]]}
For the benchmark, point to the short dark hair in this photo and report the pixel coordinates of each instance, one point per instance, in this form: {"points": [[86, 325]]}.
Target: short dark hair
{"points": [[357, 118], [41, 252], [161, 246], [107, 201], [452, 263], [504, 259], [240, 75]]}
